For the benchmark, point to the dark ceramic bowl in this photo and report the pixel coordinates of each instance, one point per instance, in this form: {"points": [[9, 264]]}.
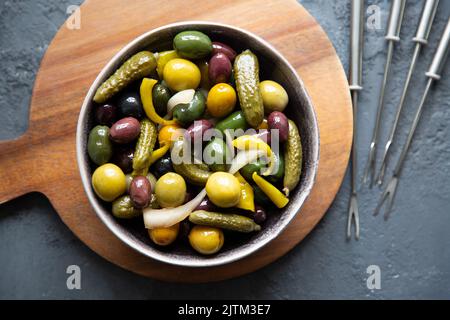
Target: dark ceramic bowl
{"points": [[300, 109]]}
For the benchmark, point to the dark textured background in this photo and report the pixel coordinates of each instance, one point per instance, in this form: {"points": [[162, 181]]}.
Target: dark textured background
{"points": [[411, 248]]}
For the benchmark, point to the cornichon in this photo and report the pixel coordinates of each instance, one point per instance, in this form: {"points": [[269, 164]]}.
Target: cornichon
{"points": [[123, 208], [144, 148], [138, 66], [246, 74], [228, 221], [195, 173], [292, 159]]}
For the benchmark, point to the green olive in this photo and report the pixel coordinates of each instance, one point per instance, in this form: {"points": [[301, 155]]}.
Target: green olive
{"points": [[192, 44], [161, 95], [170, 190], [186, 113], [223, 189], [99, 145], [216, 155], [275, 98], [123, 208], [109, 182]]}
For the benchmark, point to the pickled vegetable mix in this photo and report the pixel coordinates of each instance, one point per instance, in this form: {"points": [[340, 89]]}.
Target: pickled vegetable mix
{"points": [[193, 142]]}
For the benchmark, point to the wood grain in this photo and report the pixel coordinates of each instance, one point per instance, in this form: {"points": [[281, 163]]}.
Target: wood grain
{"points": [[43, 159]]}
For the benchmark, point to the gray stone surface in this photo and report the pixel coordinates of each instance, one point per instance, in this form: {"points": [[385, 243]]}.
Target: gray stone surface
{"points": [[411, 248]]}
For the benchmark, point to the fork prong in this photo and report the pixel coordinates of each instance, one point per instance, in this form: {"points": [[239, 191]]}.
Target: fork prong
{"points": [[381, 174], [392, 190], [383, 198], [387, 196], [353, 215], [370, 167]]}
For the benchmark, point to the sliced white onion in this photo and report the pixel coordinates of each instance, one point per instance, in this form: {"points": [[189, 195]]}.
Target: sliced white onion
{"points": [[164, 218], [184, 96]]}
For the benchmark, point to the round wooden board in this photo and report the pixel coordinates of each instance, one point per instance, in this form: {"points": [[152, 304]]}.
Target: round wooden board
{"points": [[46, 152]]}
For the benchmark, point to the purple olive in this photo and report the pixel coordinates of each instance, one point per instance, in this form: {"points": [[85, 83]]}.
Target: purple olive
{"points": [[106, 114], [278, 121], [219, 68], [260, 215], [123, 158], [125, 130], [140, 191], [198, 128], [219, 47], [206, 205]]}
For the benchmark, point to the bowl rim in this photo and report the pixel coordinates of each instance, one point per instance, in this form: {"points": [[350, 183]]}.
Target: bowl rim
{"points": [[145, 250]]}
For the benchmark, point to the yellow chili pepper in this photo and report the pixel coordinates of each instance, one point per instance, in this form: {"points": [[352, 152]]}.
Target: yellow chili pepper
{"points": [[147, 102], [246, 201], [159, 153], [277, 197], [251, 142]]}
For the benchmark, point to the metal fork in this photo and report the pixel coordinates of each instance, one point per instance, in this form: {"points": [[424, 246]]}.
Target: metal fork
{"points": [[355, 75], [392, 36], [433, 74], [421, 39]]}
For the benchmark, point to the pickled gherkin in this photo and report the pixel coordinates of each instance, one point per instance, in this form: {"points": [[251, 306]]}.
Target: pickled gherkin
{"points": [[228, 221], [292, 159], [246, 74], [195, 173], [144, 148], [138, 66]]}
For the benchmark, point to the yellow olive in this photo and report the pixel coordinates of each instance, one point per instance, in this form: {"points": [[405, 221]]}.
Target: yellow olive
{"points": [[223, 189], [206, 240], [181, 74], [163, 58], [275, 98], [168, 134], [164, 236], [221, 100], [170, 190], [109, 182]]}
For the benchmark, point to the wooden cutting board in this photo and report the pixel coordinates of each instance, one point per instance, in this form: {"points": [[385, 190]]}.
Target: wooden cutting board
{"points": [[43, 159]]}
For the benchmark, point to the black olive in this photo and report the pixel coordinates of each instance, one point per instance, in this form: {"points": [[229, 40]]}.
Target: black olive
{"points": [[162, 166], [106, 114], [130, 105], [260, 215], [123, 158], [185, 228]]}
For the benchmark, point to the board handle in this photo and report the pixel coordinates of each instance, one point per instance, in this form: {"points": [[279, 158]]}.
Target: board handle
{"points": [[18, 168]]}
